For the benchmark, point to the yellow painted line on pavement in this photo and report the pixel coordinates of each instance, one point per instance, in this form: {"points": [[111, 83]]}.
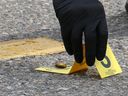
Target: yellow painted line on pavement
{"points": [[28, 47]]}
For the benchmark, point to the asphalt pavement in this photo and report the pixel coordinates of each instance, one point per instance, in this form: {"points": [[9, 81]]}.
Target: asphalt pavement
{"points": [[36, 18]]}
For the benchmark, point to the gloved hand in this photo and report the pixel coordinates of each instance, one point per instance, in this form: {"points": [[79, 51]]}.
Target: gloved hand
{"points": [[78, 18]]}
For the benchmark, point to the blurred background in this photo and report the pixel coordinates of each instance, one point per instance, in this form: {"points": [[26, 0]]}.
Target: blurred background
{"points": [[28, 16]]}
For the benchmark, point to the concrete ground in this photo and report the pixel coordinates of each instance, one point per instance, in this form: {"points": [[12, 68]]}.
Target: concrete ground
{"points": [[34, 18]]}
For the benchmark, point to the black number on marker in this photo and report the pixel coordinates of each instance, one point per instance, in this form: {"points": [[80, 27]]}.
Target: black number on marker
{"points": [[108, 62]]}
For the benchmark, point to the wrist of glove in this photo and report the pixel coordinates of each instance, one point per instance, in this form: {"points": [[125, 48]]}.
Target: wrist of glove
{"points": [[78, 18]]}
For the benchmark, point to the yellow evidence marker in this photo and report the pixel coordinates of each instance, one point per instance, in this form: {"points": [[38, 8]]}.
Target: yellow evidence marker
{"points": [[109, 66], [68, 70]]}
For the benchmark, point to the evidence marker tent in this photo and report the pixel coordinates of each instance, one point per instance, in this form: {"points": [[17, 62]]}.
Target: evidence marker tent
{"points": [[109, 66]]}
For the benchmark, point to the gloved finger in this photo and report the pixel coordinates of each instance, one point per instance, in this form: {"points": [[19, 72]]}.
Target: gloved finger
{"points": [[102, 37], [66, 24], [77, 43], [66, 36], [90, 44]]}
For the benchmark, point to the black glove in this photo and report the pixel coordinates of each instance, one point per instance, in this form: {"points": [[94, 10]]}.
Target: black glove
{"points": [[78, 18]]}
